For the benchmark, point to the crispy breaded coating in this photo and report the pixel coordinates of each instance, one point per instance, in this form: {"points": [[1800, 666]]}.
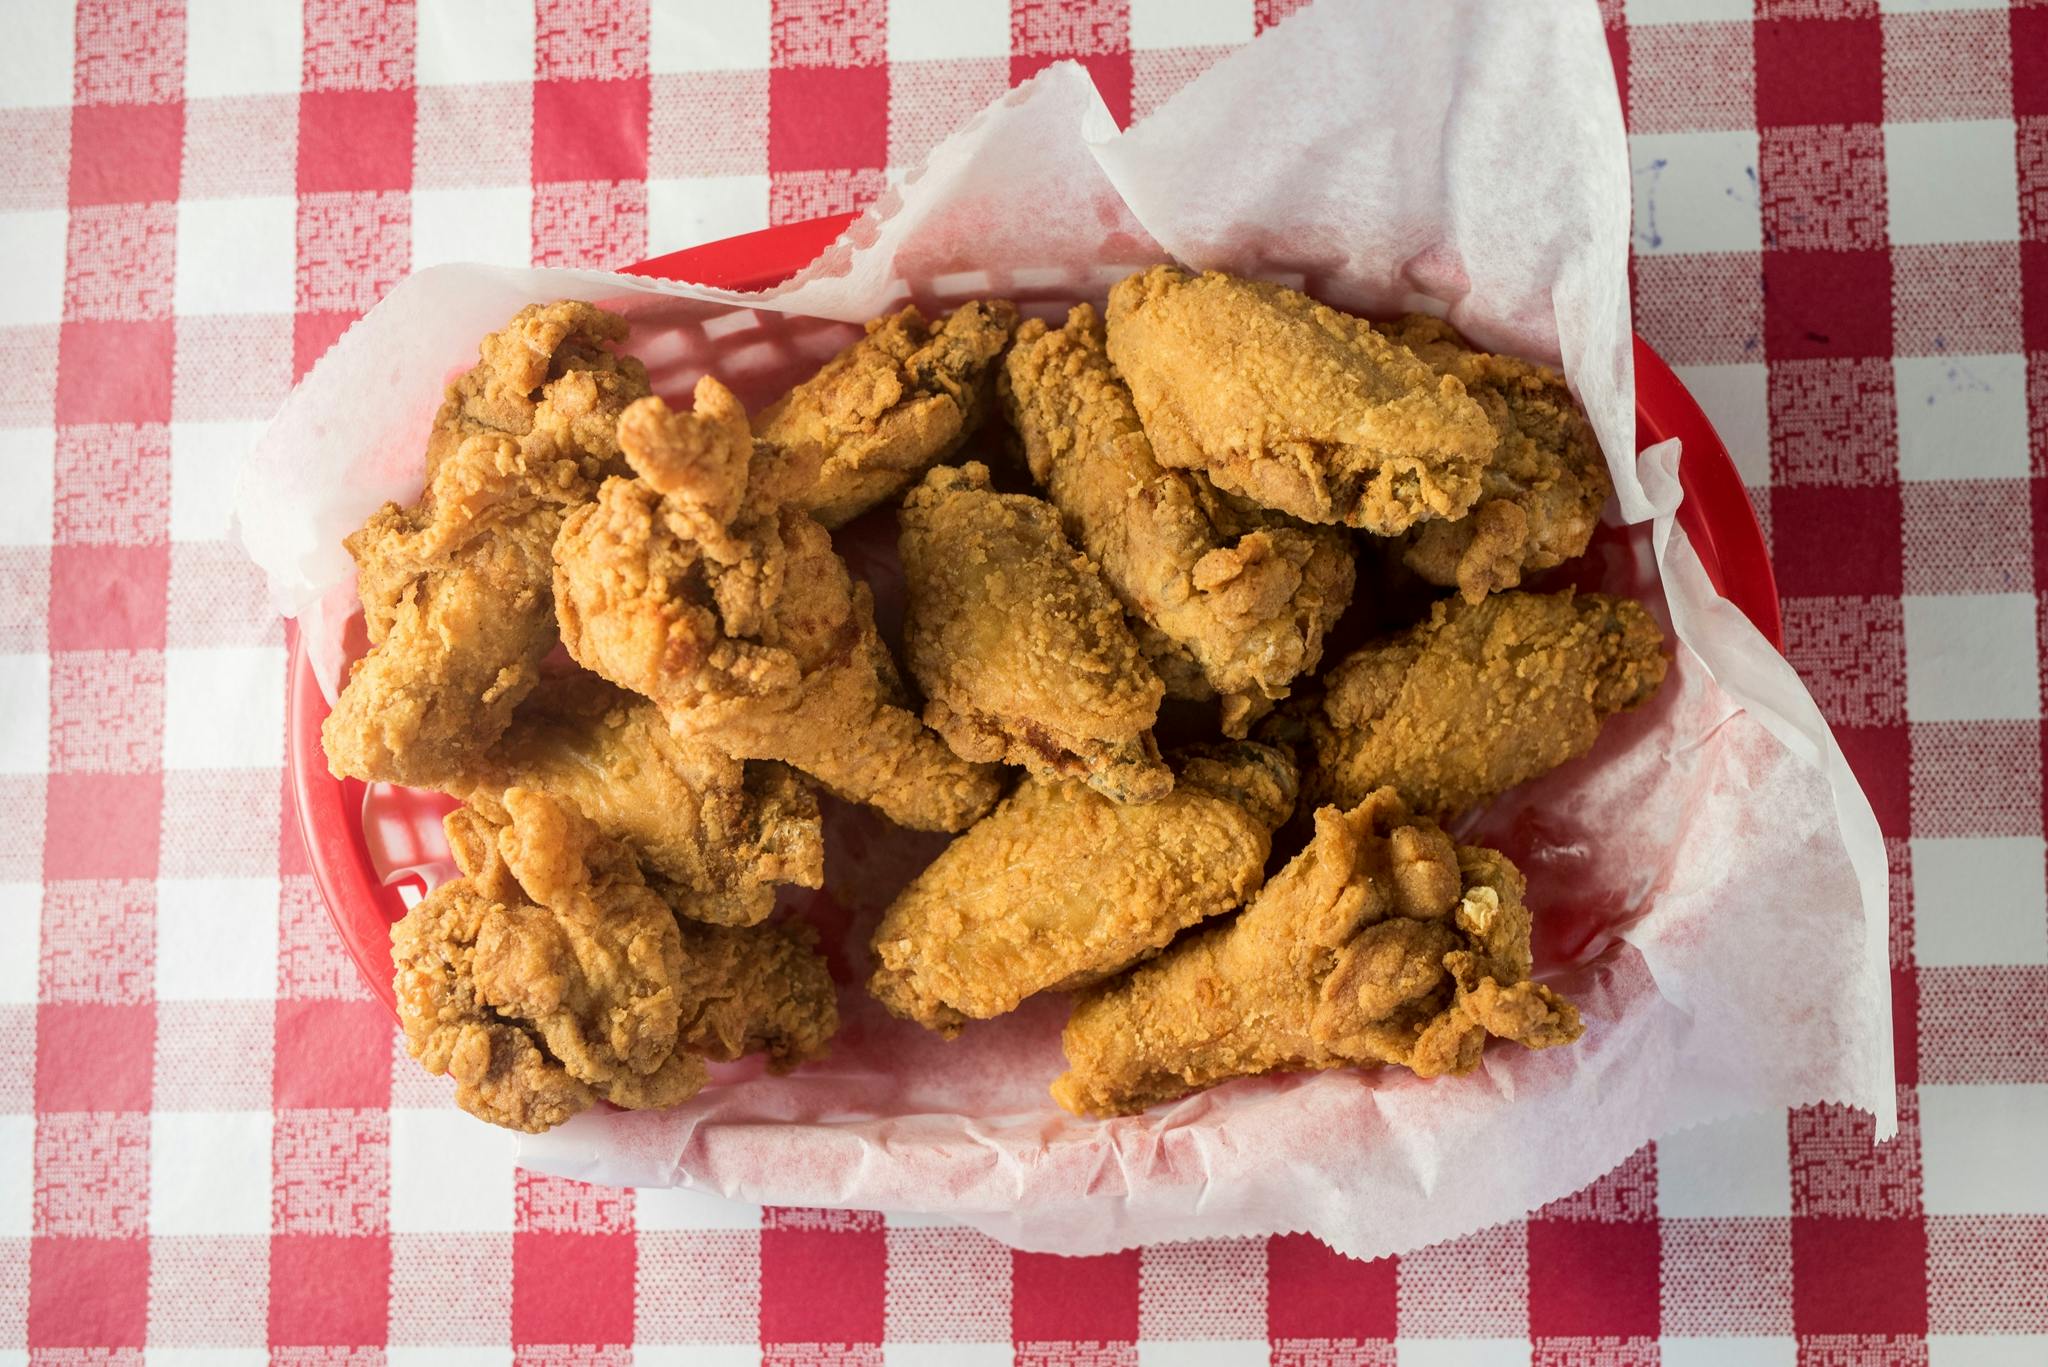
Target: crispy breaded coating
{"points": [[1226, 596], [1020, 648], [1294, 405], [890, 406], [757, 990], [701, 585], [1060, 887], [1480, 697], [1541, 494], [455, 589], [1381, 943]]}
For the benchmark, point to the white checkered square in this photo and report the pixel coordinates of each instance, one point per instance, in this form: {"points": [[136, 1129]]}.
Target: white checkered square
{"points": [[17, 1175], [686, 1208], [21, 909], [941, 30], [216, 939], [209, 1172], [224, 708], [1971, 657], [1768, 1350], [743, 1355], [471, 42], [1736, 400], [1643, 12], [28, 465], [1175, 23], [1982, 1350], [1980, 1149], [1979, 901], [1961, 417], [35, 61], [236, 255], [235, 48], [206, 457], [1205, 1353], [32, 287], [447, 1355], [1696, 192], [682, 213], [1464, 1352], [153, 1356], [728, 35], [493, 225], [1952, 182], [450, 1173], [25, 720], [1730, 1168]]}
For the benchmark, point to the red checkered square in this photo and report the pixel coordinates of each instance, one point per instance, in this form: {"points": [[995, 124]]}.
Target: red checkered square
{"points": [[108, 597], [1986, 1274], [590, 40], [1701, 310], [93, 1057], [1855, 1275], [353, 46], [1906, 1025], [592, 223], [1983, 1024], [352, 249], [92, 1175], [1812, 71], [102, 825], [1968, 536], [573, 1288], [98, 941], [231, 368], [1955, 298], [1626, 1193], [311, 964], [125, 154], [2029, 36], [715, 123], [208, 1292], [556, 1205], [328, 1289], [118, 261], [330, 1172], [113, 484], [21, 827], [127, 51], [1593, 1279], [106, 711], [39, 145], [483, 135], [1976, 778], [1073, 1300], [1726, 1277], [1827, 304], [240, 148], [822, 1277], [312, 335], [928, 100], [1859, 556], [452, 1288], [114, 371], [1947, 66], [1472, 1287], [1313, 1292], [2030, 147], [87, 1293], [355, 140], [829, 33], [1157, 74], [332, 1055], [1822, 188], [221, 823], [1837, 1171], [795, 196], [827, 118], [590, 130], [1684, 78], [2034, 295], [213, 1056], [1111, 72], [1898, 859], [217, 598], [1879, 757], [1851, 653]]}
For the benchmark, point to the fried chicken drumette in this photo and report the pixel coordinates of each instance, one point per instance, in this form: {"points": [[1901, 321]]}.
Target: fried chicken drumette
{"points": [[721, 831], [703, 586], [1480, 697], [1019, 647], [1229, 597], [455, 589], [890, 406], [1381, 943], [1060, 887], [1295, 405], [756, 990], [1541, 494]]}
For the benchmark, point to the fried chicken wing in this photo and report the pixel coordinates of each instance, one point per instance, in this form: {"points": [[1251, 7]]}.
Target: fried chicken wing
{"points": [[1478, 698], [1227, 596], [722, 831], [455, 589], [702, 586], [1295, 405], [1540, 496], [1381, 943], [890, 406], [757, 990], [1060, 887], [1020, 649]]}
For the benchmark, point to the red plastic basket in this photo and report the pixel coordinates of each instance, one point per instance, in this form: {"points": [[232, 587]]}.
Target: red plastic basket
{"points": [[1715, 514]]}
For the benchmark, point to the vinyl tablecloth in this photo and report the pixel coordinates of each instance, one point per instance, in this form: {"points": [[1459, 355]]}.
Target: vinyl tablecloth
{"points": [[211, 1150]]}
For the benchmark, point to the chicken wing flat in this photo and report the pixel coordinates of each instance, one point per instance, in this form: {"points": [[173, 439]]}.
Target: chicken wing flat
{"points": [[1060, 887], [1380, 943], [1480, 697], [703, 587], [455, 589], [1020, 648], [1295, 405], [1541, 494], [724, 832], [1229, 597], [887, 408]]}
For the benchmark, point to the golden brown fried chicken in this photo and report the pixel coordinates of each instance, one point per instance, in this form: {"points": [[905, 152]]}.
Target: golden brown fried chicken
{"points": [[1482, 696], [1020, 648], [1228, 596], [1381, 943], [455, 589], [721, 831], [1541, 494], [1060, 887], [887, 408], [756, 990], [1294, 405], [702, 586]]}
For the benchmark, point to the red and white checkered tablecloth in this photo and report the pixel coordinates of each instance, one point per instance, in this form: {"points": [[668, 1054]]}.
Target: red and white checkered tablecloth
{"points": [[1841, 243]]}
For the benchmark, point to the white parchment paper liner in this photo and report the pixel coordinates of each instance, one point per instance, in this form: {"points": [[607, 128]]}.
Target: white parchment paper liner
{"points": [[1710, 882]]}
